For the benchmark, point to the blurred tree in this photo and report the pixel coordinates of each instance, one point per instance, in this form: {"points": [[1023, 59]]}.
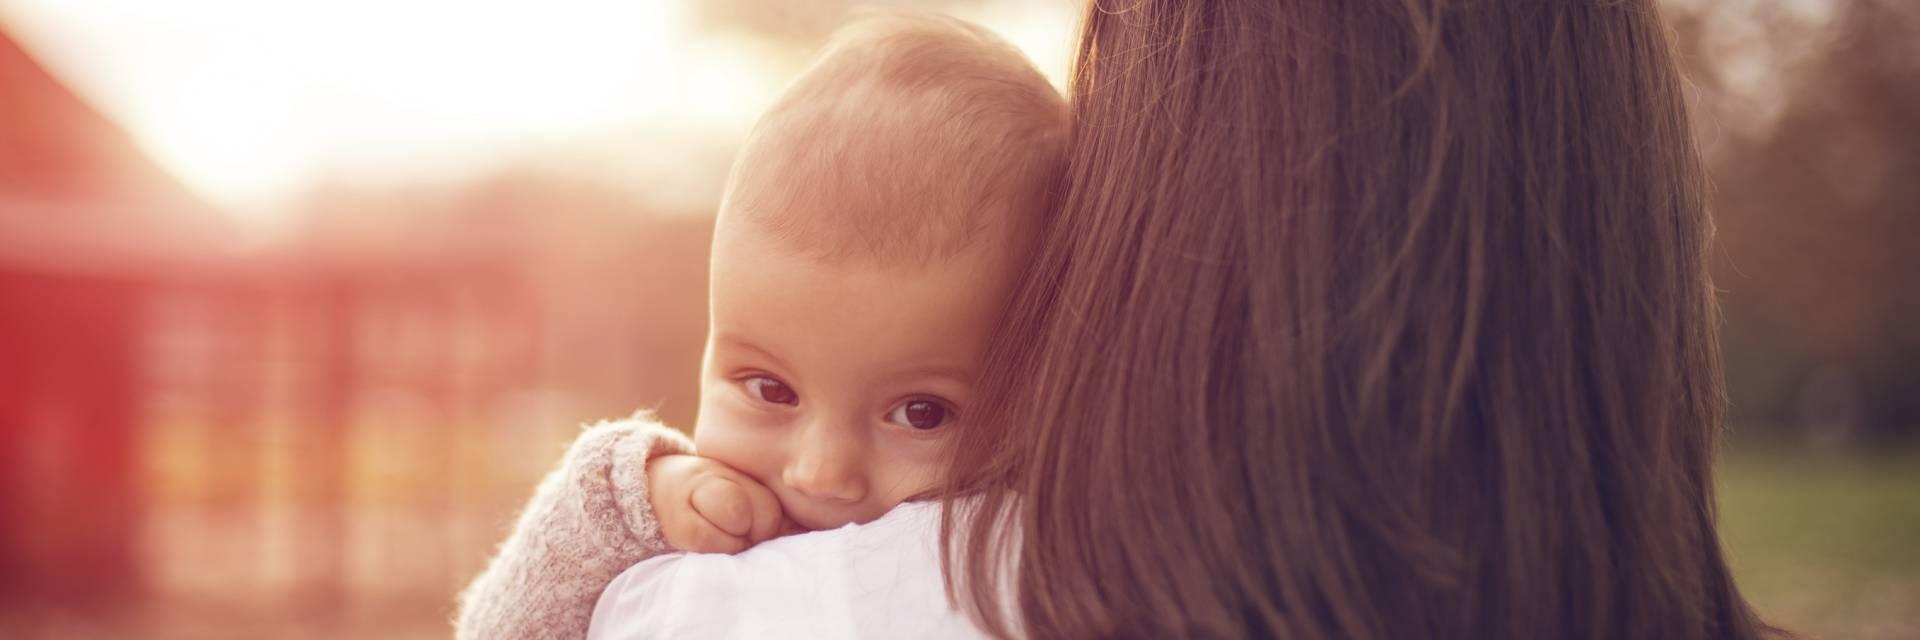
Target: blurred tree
{"points": [[1810, 115]]}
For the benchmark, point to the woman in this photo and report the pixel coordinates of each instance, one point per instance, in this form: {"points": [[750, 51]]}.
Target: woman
{"points": [[1364, 320], [1359, 320]]}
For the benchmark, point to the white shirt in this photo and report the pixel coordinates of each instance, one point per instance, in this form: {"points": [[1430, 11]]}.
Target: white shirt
{"points": [[878, 580]]}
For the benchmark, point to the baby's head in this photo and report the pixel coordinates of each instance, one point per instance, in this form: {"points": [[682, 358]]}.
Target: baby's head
{"points": [[866, 246]]}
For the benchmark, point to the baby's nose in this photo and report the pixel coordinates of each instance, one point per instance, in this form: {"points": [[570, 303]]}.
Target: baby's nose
{"points": [[827, 468], [825, 485]]}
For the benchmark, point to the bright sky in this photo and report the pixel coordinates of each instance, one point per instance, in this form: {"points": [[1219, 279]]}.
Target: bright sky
{"points": [[250, 101]]}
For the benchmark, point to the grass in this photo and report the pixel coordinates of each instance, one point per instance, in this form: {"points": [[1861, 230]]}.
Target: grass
{"points": [[1827, 546]]}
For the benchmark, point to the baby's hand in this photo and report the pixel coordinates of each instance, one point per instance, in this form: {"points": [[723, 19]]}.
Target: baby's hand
{"points": [[708, 507]]}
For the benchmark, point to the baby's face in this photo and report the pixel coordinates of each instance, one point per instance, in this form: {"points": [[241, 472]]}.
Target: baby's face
{"points": [[838, 386]]}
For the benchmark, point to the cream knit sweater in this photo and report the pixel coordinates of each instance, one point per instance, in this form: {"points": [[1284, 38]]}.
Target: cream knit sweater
{"points": [[588, 521]]}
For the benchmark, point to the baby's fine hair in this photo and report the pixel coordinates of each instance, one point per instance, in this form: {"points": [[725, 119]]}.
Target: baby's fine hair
{"points": [[911, 137]]}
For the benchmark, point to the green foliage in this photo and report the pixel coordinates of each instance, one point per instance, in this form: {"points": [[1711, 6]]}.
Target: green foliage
{"points": [[1826, 545]]}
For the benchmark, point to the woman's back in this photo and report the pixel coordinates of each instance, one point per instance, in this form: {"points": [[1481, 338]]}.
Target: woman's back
{"points": [[1362, 320]]}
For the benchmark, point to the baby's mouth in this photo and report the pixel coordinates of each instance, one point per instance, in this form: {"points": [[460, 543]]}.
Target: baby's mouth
{"points": [[804, 524], [803, 516], [788, 527]]}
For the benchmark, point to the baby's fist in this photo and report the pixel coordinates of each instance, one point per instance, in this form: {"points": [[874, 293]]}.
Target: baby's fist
{"points": [[708, 507]]}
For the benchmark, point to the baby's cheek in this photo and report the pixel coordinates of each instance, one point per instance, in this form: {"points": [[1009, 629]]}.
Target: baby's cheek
{"points": [[915, 475], [706, 425], [727, 438]]}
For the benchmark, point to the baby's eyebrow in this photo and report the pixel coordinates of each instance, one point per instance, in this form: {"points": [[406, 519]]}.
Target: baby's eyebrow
{"points": [[735, 342]]}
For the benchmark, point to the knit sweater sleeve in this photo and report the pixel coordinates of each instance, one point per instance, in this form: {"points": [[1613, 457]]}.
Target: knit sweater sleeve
{"points": [[589, 520]]}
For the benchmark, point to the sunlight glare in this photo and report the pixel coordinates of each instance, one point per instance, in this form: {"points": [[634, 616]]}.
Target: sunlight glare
{"points": [[253, 103], [248, 101]]}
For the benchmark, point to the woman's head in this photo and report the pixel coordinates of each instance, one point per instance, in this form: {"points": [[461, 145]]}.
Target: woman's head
{"points": [[1363, 319]]}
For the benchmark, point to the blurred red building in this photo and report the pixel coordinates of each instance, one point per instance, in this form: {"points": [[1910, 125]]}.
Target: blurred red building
{"points": [[121, 291], [88, 227]]}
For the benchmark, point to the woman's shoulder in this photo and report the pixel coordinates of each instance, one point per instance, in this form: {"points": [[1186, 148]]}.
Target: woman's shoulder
{"points": [[880, 579]]}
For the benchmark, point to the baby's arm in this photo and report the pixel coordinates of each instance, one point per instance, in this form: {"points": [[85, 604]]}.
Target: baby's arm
{"points": [[594, 516], [588, 521]]}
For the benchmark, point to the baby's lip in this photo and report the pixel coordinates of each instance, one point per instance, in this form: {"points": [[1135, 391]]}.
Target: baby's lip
{"points": [[805, 523]]}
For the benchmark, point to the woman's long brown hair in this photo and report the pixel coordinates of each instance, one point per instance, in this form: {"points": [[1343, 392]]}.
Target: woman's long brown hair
{"points": [[1360, 319]]}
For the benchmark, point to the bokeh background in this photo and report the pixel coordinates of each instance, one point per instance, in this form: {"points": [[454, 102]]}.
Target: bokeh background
{"points": [[298, 300]]}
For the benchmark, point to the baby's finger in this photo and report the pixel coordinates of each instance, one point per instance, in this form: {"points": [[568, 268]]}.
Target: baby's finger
{"points": [[699, 536], [767, 514], [726, 505]]}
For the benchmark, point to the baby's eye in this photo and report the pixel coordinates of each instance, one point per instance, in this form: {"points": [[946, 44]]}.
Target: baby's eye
{"points": [[766, 389], [921, 414]]}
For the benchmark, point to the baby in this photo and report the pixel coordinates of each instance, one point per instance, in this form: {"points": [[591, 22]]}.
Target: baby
{"points": [[869, 237]]}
